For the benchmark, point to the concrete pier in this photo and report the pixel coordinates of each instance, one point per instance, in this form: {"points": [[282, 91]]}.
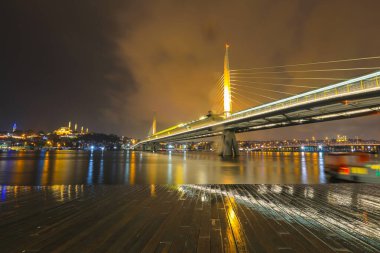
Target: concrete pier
{"points": [[152, 146], [229, 144]]}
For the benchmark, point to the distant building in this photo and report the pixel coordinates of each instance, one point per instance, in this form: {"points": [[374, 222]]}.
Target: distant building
{"points": [[63, 131], [14, 128], [341, 138], [69, 132]]}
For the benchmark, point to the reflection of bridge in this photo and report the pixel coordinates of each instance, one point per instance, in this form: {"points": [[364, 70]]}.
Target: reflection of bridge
{"points": [[355, 97]]}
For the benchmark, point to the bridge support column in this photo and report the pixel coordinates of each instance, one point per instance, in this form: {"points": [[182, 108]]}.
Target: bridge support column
{"points": [[150, 147], [229, 144], [154, 146]]}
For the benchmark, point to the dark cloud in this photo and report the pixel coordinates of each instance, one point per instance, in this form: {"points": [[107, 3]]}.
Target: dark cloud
{"points": [[56, 62], [112, 64]]}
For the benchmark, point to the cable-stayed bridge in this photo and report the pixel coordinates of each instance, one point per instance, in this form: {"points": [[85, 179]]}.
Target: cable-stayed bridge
{"points": [[346, 98]]}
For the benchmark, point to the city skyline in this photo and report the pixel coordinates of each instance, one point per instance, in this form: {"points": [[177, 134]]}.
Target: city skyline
{"points": [[81, 130]]}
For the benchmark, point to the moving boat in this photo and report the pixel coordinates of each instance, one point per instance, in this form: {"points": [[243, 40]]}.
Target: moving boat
{"points": [[356, 167]]}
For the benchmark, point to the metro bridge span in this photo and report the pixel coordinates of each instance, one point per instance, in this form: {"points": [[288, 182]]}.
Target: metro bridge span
{"points": [[355, 97]]}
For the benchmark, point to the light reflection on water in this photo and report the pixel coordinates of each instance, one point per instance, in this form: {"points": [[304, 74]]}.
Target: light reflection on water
{"points": [[133, 167]]}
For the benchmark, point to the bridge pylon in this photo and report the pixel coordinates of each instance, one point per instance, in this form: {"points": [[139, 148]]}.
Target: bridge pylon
{"points": [[227, 85], [229, 144], [154, 124]]}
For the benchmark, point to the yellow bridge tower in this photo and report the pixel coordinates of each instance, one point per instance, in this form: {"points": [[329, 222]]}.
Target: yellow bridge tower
{"points": [[227, 85], [154, 124]]}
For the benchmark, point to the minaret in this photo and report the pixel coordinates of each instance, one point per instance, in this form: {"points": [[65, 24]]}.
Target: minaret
{"points": [[154, 124], [69, 124], [81, 130], [86, 130], [75, 127], [227, 85]]}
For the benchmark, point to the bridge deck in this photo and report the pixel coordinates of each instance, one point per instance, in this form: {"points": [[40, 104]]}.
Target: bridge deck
{"points": [[191, 218], [352, 98]]}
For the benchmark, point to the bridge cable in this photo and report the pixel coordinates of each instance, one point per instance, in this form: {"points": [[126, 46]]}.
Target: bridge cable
{"points": [[310, 63], [245, 97], [274, 99], [276, 84], [255, 88], [242, 105], [219, 84], [293, 78], [305, 71], [244, 102]]}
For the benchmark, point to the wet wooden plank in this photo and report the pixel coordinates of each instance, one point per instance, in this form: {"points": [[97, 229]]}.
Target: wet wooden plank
{"points": [[191, 218]]}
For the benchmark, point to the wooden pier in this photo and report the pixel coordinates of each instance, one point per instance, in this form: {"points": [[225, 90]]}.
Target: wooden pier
{"points": [[191, 218]]}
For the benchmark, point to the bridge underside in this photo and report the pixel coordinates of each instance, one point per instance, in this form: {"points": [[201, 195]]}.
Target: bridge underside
{"points": [[327, 110]]}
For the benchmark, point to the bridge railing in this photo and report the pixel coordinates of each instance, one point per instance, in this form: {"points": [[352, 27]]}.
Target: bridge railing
{"points": [[183, 128], [348, 87], [324, 93]]}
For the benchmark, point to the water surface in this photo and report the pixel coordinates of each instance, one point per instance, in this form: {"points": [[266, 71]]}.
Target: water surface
{"points": [[134, 167]]}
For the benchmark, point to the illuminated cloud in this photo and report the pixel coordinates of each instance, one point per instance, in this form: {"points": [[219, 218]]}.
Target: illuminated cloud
{"points": [[111, 65], [175, 50]]}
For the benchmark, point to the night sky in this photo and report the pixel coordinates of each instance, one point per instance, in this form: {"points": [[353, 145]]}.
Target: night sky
{"points": [[109, 65]]}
